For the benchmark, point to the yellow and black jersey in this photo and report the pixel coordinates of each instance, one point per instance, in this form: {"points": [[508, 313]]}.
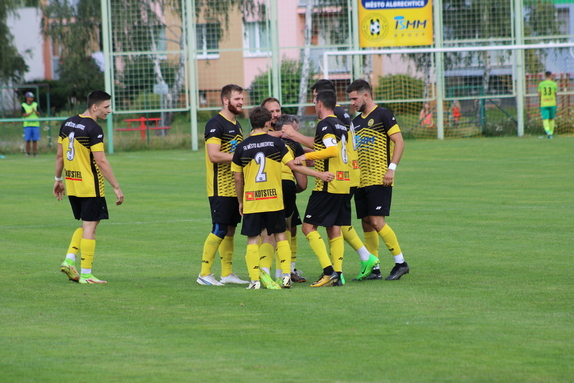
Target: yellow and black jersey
{"points": [[342, 115], [296, 150], [375, 147], [221, 131], [331, 131], [79, 137], [260, 158]]}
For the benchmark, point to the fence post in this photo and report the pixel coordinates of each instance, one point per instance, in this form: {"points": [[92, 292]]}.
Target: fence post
{"points": [[439, 64], [519, 54]]}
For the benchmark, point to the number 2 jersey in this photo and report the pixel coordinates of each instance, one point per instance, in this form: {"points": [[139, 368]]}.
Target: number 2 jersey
{"points": [[79, 137], [375, 147], [221, 131], [260, 158]]}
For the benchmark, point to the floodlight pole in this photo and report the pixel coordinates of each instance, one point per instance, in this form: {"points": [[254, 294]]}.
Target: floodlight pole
{"points": [[108, 71], [192, 74], [275, 54], [520, 89], [439, 69]]}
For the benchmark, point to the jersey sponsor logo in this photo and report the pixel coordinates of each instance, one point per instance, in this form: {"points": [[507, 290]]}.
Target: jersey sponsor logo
{"points": [[343, 176], [70, 124], [81, 126], [233, 146], [365, 141], [258, 195], [355, 164], [73, 175]]}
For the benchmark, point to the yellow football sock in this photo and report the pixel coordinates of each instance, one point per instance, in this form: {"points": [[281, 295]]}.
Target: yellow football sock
{"points": [[319, 248], [294, 247], [266, 254], [252, 261], [551, 127], [351, 237], [546, 125], [210, 247], [226, 255], [337, 249], [372, 242], [76, 241], [388, 235], [284, 256], [88, 247]]}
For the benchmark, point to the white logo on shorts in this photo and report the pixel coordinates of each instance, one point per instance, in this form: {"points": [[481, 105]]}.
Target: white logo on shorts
{"points": [[378, 208]]}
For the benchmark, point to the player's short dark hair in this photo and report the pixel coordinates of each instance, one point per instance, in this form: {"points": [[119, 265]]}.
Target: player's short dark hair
{"points": [[270, 99], [285, 119], [323, 84], [97, 97], [328, 98], [259, 117], [359, 86], [228, 89], [547, 73]]}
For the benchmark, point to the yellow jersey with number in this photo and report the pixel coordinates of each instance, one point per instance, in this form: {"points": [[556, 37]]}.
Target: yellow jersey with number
{"points": [[80, 136]]}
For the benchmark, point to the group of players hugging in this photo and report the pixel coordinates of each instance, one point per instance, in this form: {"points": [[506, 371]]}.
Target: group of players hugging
{"points": [[258, 177]]}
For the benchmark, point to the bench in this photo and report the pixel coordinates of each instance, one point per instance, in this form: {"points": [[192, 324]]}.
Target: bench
{"points": [[143, 126]]}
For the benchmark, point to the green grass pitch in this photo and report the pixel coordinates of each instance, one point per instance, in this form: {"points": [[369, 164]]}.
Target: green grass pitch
{"points": [[486, 226]]}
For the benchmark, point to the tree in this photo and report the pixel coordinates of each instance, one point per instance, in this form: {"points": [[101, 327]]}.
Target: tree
{"points": [[12, 64], [290, 79], [73, 28]]}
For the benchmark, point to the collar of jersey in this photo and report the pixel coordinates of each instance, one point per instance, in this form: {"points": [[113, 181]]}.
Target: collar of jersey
{"points": [[81, 115], [367, 115], [331, 115], [233, 122], [258, 134]]}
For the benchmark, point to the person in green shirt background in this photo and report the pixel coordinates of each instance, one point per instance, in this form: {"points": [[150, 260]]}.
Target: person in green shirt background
{"points": [[31, 112], [547, 92]]}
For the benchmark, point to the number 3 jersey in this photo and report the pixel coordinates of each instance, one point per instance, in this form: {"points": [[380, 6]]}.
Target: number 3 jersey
{"points": [[79, 137], [227, 134], [260, 158]]}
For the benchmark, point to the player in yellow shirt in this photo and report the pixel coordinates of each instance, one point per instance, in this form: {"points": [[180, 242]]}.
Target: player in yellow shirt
{"points": [[81, 160], [547, 92], [222, 135], [380, 149], [257, 166], [328, 204]]}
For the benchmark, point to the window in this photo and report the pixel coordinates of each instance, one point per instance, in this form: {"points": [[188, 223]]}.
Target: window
{"points": [[256, 38], [207, 40]]}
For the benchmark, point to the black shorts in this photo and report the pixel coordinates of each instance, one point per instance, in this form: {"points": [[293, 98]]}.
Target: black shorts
{"points": [[289, 197], [254, 223], [89, 208], [328, 209], [373, 201], [225, 210]]}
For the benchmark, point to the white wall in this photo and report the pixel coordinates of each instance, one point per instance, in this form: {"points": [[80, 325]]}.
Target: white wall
{"points": [[25, 26]]}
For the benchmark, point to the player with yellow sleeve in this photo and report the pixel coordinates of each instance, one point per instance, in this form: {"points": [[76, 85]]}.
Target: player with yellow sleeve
{"points": [[257, 166], [547, 92], [380, 149]]}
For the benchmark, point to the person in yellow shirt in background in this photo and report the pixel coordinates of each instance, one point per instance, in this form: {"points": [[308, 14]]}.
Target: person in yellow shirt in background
{"points": [[547, 92], [31, 112]]}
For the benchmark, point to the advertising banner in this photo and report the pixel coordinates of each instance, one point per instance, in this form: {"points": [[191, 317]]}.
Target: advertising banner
{"points": [[394, 23]]}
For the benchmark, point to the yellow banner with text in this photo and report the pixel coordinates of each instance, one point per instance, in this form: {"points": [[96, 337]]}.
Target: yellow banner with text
{"points": [[395, 23]]}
